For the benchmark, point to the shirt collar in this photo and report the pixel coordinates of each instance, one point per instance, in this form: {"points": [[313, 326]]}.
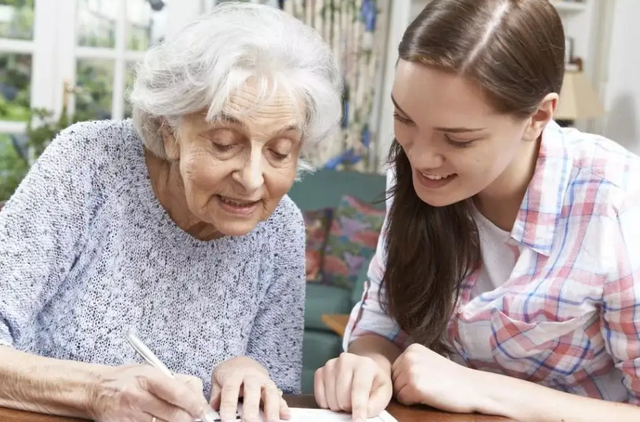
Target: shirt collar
{"points": [[541, 207]]}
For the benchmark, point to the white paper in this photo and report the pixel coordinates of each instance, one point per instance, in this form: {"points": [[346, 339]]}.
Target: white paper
{"points": [[299, 414], [324, 415]]}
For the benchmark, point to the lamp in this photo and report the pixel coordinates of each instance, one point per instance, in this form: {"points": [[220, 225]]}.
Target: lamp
{"points": [[156, 5], [578, 100]]}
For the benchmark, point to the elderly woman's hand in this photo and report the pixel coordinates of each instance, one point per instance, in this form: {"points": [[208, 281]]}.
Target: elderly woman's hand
{"points": [[142, 393], [244, 377]]}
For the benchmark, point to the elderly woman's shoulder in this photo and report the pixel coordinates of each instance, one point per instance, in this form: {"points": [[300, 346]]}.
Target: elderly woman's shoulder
{"points": [[105, 147], [287, 218], [101, 136]]}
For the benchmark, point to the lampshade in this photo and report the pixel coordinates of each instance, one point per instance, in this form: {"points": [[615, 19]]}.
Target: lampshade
{"points": [[578, 99]]}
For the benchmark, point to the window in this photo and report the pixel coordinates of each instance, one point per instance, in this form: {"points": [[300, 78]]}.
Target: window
{"points": [[16, 62], [110, 38], [25, 60], [73, 56]]}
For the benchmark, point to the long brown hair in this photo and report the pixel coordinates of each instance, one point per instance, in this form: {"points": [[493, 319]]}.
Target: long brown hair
{"points": [[514, 51]]}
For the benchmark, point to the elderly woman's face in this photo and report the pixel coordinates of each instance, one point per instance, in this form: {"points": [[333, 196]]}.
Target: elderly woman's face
{"points": [[237, 169]]}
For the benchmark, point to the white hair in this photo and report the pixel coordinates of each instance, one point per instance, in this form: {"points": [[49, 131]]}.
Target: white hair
{"points": [[200, 66]]}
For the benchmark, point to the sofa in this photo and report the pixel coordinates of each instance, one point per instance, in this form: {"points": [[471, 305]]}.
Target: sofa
{"points": [[331, 190]]}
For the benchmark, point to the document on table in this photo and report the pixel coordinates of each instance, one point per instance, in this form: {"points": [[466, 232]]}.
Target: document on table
{"points": [[324, 415], [299, 414]]}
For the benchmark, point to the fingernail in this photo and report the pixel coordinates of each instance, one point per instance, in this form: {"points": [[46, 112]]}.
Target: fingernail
{"points": [[210, 415]]}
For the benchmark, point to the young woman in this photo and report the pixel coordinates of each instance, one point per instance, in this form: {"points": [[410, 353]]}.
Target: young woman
{"points": [[507, 279]]}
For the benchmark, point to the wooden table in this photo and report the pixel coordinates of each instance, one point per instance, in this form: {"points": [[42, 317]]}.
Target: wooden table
{"points": [[336, 322], [401, 413], [8, 415]]}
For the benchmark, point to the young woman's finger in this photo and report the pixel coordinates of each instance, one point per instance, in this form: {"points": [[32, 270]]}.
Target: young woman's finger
{"points": [[361, 386]]}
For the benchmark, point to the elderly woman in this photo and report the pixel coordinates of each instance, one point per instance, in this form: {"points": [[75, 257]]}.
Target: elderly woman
{"points": [[175, 225]]}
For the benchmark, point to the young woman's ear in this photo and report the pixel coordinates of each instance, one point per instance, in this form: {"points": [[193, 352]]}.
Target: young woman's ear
{"points": [[541, 117]]}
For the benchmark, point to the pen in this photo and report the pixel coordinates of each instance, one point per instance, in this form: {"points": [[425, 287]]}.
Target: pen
{"points": [[137, 344]]}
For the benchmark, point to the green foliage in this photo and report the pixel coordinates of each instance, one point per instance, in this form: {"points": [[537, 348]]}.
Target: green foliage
{"points": [[17, 3], [15, 79], [21, 25], [95, 89], [12, 167]]}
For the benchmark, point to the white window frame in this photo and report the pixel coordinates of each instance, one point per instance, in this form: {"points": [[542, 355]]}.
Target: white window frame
{"points": [[42, 49]]}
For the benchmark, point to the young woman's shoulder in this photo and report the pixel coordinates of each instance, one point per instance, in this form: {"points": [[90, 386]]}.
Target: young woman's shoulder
{"points": [[602, 169]]}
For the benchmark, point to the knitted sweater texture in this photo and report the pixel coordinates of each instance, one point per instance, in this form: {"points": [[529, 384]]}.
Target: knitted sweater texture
{"points": [[87, 253]]}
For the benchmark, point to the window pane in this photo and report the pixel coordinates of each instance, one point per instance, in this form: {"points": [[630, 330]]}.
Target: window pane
{"points": [[13, 167], [145, 23], [15, 80], [94, 79], [129, 78], [97, 23], [16, 19]]}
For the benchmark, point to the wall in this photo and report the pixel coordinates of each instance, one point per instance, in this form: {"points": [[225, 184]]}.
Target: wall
{"points": [[622, 93]]}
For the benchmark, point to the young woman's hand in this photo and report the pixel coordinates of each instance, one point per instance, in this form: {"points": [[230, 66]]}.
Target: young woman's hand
{"points": [[355, 384], [421, 376], [246, 378]]}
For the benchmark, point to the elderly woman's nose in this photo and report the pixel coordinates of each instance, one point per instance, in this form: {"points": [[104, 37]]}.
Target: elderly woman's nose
{"points": [[250, 175]]}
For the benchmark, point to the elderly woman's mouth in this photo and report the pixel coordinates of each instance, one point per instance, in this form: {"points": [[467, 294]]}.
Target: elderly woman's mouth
{"points": [[237, 206]]}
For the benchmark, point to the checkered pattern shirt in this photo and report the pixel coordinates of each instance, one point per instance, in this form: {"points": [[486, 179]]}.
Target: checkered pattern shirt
{"points": [[568, 316]]}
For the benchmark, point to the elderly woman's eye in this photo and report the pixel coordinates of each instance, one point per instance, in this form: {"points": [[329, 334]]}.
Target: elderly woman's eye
{"points": [[222, 147], [279, 156]]}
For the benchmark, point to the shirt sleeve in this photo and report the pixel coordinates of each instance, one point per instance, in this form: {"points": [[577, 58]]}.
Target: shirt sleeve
{"points": [[276, 336], [42, 227], [621, 299], [368, 315]]}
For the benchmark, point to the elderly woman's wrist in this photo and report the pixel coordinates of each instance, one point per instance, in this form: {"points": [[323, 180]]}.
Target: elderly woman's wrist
{"points": [[93, 391]]}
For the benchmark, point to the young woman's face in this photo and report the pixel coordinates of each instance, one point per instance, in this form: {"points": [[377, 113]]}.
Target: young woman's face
{"points": [[457, 145]]}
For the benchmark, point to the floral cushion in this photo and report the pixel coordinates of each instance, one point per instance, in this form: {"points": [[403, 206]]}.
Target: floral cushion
{"points": [[317, 223], [352, 241]]}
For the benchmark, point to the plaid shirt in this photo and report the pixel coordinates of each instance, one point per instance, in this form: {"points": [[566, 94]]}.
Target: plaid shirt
{"points": [[568, 316]]}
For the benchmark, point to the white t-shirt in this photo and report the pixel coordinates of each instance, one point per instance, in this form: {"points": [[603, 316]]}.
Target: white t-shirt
{"points": [[499, 255]]}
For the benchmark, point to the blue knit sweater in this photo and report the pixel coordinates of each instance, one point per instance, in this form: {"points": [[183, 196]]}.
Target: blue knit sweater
{"points": [[87, 253]]}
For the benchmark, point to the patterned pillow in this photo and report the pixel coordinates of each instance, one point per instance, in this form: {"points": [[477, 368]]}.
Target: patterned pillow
{"points": [[317, 223], [352, 241]]}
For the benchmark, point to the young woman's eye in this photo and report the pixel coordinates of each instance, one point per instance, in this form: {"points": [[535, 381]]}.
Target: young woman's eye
{"points": [[457, 143], [401, 119]]}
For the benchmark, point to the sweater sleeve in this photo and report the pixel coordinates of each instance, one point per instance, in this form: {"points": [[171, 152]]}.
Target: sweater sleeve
{"points": [[42, 229], [276, 337]]}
